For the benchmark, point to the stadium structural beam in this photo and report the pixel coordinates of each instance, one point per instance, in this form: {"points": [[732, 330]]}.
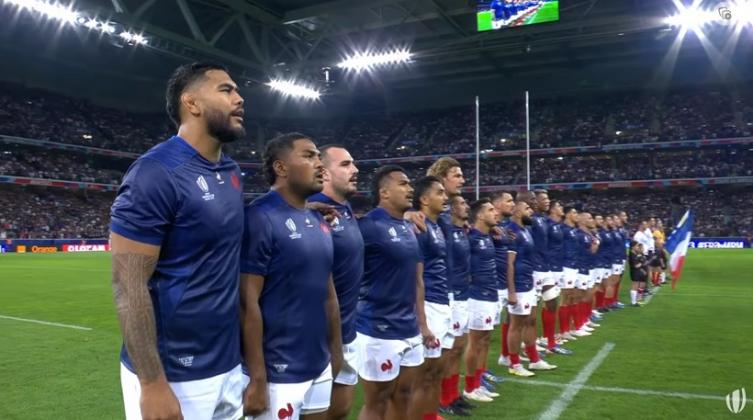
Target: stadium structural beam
{"points": [[139, 10], [188, 16], [254, 11], [259, 51], [223, 29], [119, 6], [339, 6]]}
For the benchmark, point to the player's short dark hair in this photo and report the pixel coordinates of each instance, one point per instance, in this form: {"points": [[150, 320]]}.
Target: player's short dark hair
{"points": [[377, 181], [568, 209], [274, 151], [181, 78], [497, 195], [553, 204], [527, 196], [451, 198], [476, 207], [326, 147], [421, 188], [540, 191]]}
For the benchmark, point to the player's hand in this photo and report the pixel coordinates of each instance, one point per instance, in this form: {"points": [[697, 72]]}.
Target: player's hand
{"points": [[255, 398], [418, 219], [430, 341], [328, 211], [158, 402], [512, 300]]}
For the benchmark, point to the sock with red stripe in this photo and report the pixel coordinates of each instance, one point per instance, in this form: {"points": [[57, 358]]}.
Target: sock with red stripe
{"points": [[470, 382], [514, 359], [564, 313], [599, 299], [454, 387], [446, 393], [430, 416], [478, 374], [549, 324]]}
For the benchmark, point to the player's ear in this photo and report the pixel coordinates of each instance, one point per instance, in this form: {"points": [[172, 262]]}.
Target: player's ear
{"points": [[281, 170], [190, 103]]}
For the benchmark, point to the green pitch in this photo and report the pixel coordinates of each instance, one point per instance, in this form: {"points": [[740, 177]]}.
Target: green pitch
{"points": [[549, 12], [675, 358]]}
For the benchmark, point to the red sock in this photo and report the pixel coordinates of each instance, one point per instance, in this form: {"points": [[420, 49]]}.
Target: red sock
{"points": [[549, 324], [585, 313], [455, 390], [505, 330], [430, 416], [599, 299], [479, 372], [514, 359], [533, 355], [564, 313], [445, 395], [470, 382]]}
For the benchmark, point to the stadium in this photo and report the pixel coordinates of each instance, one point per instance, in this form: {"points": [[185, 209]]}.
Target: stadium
{"points": [[604, 107]]}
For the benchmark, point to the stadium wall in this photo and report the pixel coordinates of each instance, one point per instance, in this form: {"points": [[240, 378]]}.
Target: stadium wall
{"points": [[53, 246]]}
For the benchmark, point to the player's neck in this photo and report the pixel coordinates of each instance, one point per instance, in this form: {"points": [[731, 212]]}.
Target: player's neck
{"points": [[208, 147], [482, 227], [430, 215], [517, 220], [458, 222], [331, 193], [569, 223], [291, 197], [391, 210]]}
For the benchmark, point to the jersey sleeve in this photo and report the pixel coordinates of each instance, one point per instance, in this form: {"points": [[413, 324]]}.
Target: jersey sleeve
{"points": [[258, 242], [146, 204]]}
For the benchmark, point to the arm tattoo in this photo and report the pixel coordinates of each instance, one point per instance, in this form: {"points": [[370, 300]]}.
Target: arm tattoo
{"points": [[130, 274]]}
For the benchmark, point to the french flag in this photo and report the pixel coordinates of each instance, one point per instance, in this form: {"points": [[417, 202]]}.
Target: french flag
{"points": [[677, 245]]}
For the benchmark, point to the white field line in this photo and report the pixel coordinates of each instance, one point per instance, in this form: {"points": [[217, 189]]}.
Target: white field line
{"points": [[51, 324], [571, 389]]}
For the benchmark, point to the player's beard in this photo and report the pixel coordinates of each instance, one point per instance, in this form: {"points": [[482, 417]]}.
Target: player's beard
{"points": [[220, 127], [527, 221]]}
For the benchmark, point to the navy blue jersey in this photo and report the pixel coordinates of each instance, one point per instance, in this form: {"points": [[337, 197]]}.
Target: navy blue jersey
{"points": [[292, 249], [387, 302], [347, 269], [525, 250], [483, 268], [604, 254], [434, 258], [540, 231], [460, 263], [618, 247], [173, 197], [585, 258], [571, 246], [556, 247], [502, 248]]}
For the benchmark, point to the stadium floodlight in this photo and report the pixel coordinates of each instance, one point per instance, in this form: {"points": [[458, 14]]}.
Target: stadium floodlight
{"points": [[51, 10], [133, 38], [290, 88], [362, 61]]}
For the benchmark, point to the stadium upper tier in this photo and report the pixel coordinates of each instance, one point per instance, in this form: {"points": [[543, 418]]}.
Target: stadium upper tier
{"points": [[559, 122]]}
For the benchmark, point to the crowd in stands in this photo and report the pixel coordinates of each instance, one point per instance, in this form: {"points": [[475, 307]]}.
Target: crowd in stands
{"points": [[555, 122], [53, 213]]}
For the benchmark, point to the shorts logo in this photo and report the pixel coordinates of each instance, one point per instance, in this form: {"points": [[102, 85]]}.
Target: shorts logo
{"points": [[204, 187], [456, 326], [186, 361], [387, 366], [488, 320], [280, 368], [393, 234], [382, 327], [290, 224], [286, 413], [528, 305]]}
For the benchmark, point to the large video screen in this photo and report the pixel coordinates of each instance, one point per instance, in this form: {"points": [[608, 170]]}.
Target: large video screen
{"points": [[498, 14]]}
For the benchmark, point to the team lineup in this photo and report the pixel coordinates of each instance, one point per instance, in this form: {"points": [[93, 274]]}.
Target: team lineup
{"points": [[280, 308]]}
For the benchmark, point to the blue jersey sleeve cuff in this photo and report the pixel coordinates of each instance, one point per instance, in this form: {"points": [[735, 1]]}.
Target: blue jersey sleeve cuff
{"points": [[130, 233]]}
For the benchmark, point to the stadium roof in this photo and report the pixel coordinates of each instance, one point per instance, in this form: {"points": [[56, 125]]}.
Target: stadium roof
{"points": [[295, 38]]}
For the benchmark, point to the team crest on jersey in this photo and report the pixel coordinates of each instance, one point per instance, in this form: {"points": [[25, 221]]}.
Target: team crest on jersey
{"points": [[308, 223], [336, 226], [280, 368], [204, 187], [290, 224], [393, 234], [481, 244], [219, 179]]}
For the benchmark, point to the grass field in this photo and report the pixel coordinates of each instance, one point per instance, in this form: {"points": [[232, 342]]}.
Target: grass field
{"points": [[549, 12], [675, 358]]}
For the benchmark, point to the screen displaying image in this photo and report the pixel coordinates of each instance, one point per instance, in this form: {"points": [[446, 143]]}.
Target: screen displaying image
{"points": [[497, 14]]}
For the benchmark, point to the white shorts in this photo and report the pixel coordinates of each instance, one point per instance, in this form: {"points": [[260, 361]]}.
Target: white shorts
{"points": [[551, 278], [593, 274], [380, 359], [349, 373], [439, 321], [526, 303], [584, 281], [290, 401], [218, 397], [481, 314], [569, 278], [459, 310], [617, 269], [540, 278]]}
